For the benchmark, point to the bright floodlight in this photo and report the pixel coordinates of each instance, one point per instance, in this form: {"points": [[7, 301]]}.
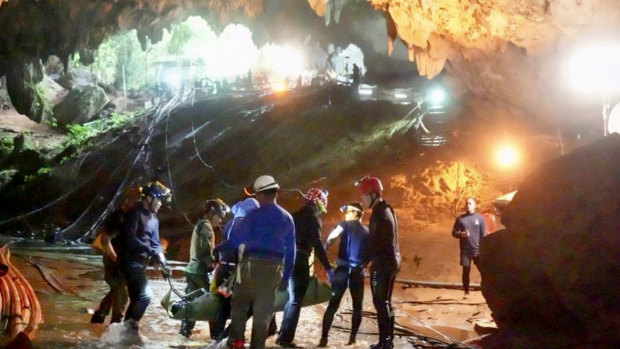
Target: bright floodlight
{"points": [[507, 156], [400, 95], [173, 80], [595, 68], [364, 91], [284, 61], [437, 96]]}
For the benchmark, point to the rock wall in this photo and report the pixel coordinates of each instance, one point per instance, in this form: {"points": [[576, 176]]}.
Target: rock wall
{"points": [[552, 277]]}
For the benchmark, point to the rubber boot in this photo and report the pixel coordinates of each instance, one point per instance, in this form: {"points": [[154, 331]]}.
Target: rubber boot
{"points": [[97, 318]]}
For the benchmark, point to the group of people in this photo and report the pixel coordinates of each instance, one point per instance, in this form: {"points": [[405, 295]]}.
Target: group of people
{"points": [[263, 249], [130, 240]]}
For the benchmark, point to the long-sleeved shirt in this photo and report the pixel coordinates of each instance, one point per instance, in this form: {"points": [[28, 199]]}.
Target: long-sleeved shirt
{"points": [[308, 226], [383, 234], [475, 225], [139, 237], [201, 248], [353, 249], [268, 232], [224, 248]]}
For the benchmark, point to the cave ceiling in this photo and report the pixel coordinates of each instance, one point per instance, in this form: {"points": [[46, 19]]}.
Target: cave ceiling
{"points": [[496, 49]]}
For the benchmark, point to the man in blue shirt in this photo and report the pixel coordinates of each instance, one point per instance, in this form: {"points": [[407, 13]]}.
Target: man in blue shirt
{"points": [[469, 228], [352, 257], [266, 238], [139, 239]]}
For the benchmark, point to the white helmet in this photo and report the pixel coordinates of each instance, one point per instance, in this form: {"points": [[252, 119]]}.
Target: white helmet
{"points": [[265, 182]]}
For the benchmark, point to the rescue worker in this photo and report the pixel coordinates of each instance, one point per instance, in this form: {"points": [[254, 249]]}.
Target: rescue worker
{"points": [[352, 258], [226, 266], [384, 256], [469, 228], [266, 237], [116, 298], [201, 258], [308, 226], [139, 243]]}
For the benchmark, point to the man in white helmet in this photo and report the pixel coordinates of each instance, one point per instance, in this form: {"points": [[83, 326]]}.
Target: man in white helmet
{"points": [[267, 238]]}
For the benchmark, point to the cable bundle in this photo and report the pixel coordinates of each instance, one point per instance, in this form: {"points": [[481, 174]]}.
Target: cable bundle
{"points": [[20, 308]]}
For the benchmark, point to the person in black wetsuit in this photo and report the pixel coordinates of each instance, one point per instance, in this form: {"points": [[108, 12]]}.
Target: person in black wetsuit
{"points": [[469, 228], [384, 256], [307, 237], [352, 258]]}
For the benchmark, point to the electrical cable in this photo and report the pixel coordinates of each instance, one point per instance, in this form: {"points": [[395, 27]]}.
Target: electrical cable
{"points": [[168, 163]]}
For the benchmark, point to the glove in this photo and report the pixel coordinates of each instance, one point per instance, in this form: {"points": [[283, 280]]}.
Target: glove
{"points": [[330, 275], [163, 264], [165, 271]]}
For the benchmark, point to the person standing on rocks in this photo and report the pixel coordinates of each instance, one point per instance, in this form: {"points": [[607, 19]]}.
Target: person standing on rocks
{"points": [[201, 259], [308, 226], [384, 255], [139, 241], [266, 239], [352, 258], [116, 298], [469, 228]]}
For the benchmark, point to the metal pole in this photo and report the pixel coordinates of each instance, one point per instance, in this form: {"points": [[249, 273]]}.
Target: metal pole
{"points": [[606, 103], [124, 86]]}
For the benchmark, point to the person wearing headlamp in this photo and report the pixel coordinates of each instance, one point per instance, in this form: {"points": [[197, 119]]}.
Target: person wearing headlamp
{"points": [[202, 260], [352, 258], [308, 227], [139, 239]]}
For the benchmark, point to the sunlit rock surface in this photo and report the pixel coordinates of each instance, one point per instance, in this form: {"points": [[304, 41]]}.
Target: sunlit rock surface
{"points": [[552, 276]]}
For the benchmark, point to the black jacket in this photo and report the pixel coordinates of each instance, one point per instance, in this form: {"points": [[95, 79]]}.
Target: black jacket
{"points": [[308, 226], [383, 234]]}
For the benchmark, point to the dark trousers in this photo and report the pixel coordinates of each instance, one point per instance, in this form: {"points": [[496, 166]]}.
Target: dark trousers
{"points": [[467, 269], [257, 291], [297, 286], [382, 276], [138, 290], [193, 282], [345, 277], [218, 325], [116, 298]]}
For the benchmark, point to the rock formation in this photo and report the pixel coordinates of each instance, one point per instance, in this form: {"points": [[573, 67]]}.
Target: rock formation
{"points": [[551, 278]]}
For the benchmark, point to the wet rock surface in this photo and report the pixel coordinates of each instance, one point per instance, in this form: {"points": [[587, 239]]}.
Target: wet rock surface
{"points": [[552, 275], [81, 105]]}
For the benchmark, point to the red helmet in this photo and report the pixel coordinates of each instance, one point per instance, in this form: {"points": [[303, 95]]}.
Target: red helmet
{"points": [[369, 185], [315, 194]]}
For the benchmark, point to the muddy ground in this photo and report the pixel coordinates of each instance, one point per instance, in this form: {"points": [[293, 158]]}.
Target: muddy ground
{"points": [[438, 313]]}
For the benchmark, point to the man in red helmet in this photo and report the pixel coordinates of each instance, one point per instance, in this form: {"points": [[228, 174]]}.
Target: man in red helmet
{"points": [[308, 226], [384, 256]]}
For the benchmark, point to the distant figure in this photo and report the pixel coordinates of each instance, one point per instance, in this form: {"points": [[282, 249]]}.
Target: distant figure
{"points": [[352, 258], [266, 241], [469, 228], [249, 82], [357, 75], [116, 298], [308, 226], [201, 259], [384, 255]]}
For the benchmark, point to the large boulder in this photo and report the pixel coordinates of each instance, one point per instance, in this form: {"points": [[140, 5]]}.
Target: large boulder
{"points": [[21, 84], [81, 105], [552, 278]]}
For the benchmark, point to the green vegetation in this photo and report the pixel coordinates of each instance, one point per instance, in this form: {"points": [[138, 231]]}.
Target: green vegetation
{"points": [[190, 38], [82, 136], [6, 146]]}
